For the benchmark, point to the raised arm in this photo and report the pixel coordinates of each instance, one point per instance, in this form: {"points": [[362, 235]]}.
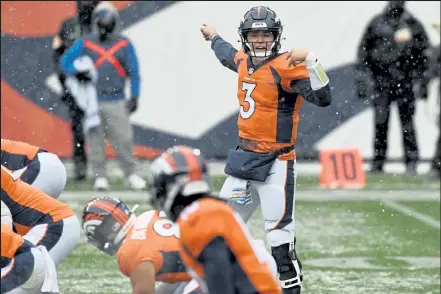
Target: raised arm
{"points": [[224, 51], [310, 79]]}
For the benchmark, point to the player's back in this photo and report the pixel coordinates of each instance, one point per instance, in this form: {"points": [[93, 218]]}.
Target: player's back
{"points": [[153, 238], [16, 155], [207, 219], [28, 205]]}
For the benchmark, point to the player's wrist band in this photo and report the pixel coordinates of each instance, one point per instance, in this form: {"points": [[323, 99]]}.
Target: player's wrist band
{"points": [[317, 74]]}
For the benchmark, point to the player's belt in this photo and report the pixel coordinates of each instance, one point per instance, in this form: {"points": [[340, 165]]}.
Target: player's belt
{"points": [[250, 145]]}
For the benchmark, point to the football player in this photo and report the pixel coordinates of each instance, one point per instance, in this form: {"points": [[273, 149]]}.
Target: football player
{"points": [[272, 86], [39, 218], [35, 166], [25, 268], [216, 246], [146, 247]]}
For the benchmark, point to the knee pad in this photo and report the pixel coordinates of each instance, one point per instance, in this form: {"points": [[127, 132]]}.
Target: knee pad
{"points": [[289, 267], [277, 237]]}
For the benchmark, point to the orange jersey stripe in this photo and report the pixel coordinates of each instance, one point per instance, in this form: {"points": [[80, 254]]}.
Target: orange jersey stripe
{"points": [[10, 241], [30, 206], [20, 148], [22, 229]]}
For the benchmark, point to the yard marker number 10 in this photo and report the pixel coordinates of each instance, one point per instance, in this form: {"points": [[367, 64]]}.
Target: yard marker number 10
{"points": [[342, 168]]}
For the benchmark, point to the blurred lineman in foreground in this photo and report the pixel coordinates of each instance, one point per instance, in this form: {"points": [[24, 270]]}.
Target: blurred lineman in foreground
{"points": [[216, 246]]}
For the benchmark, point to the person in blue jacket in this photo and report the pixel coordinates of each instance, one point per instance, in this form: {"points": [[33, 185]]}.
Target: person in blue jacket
{"points": [[115, 60]]}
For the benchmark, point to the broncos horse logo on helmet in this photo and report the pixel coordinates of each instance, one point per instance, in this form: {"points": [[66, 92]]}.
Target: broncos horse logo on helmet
{"points": [[260, 18], [106, 221], [177, 177]]}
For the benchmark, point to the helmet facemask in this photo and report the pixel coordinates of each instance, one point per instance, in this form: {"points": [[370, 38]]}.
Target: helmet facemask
{"points": [[261, 47]]}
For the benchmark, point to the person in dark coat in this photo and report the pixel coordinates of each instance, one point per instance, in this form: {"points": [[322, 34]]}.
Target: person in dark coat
{"points": [[390, 66]]}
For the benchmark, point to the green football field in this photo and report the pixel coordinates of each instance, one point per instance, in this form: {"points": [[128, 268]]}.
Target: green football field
{"points": [[383, 239]]}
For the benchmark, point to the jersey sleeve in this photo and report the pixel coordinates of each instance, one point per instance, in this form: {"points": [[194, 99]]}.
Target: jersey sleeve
{"points": [[297, 79], [131, 255], [226, 53], [68, 58], [133, 70], [289, 74]]}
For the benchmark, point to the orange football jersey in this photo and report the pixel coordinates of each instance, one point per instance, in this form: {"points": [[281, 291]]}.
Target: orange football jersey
{"points": [[28, 205], [209, 218], [16, 155], [269, 108], [153, 238]]}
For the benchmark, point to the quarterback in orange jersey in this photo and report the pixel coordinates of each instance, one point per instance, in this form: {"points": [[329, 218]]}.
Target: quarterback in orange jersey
{"points": [[146, 247], [25, 268], [272, 87], [216, 246], [35, 166], [39, 218]]}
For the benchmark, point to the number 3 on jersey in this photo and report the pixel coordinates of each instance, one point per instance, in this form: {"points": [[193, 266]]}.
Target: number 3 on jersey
{"points": [[248, 88]]}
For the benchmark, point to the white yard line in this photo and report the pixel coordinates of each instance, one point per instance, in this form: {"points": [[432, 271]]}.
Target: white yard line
{"points": [[410, 212], [301, 195]]}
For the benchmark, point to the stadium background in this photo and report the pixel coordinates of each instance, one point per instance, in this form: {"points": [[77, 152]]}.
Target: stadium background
{"points": [[187, 96], [381, 239]]}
